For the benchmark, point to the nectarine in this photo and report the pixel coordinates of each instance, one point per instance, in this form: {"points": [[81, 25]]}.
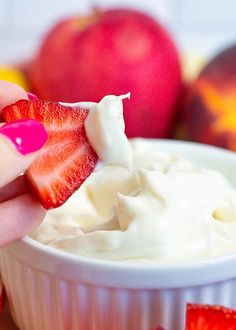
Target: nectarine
{"points": [[211, 106], [112, 52]]}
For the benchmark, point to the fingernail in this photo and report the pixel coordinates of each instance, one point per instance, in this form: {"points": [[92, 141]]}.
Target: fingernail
{"points": [[27, 135], [32, 97]]}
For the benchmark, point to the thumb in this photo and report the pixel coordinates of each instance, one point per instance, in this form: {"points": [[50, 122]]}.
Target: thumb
{"points": [[20, 142], [10, 93]]}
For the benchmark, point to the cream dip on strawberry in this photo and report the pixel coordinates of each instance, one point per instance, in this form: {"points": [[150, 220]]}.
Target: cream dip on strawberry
{"points": [[105, 129], [141, 205]]}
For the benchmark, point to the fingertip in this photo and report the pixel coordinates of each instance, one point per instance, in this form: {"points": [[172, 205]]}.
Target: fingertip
{"points": [[10, 93], [14, 189], [35, 212], [19, 217]]}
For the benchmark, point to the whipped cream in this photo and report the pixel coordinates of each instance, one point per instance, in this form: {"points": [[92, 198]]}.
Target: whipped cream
{"points": [[143, 206]]}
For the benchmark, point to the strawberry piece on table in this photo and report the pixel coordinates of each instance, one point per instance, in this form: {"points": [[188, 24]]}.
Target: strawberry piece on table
{"points": [[206, 317], [67, 158]]}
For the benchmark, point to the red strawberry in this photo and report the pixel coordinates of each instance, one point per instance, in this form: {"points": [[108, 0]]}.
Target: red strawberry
{"points": [[206, 317], [67, 158]]}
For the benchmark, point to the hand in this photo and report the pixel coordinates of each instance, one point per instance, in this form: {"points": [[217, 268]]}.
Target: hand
{"points": [[20, 143]]}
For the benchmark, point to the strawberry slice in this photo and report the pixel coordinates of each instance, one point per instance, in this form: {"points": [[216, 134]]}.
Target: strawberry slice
{"points": [[67, 158], [204, 317]]}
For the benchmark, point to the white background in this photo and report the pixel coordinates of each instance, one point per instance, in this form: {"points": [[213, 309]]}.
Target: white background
{"points": [[198, 26]]}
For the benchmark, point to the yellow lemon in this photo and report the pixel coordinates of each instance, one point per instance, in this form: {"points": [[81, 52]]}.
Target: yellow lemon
{"points": [[13, 75]]}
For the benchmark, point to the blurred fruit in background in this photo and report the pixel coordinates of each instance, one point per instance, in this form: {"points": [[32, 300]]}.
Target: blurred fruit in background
{"points": [[14, 75], [113, 52], [192, 65], [211, 104], [179, 129]]}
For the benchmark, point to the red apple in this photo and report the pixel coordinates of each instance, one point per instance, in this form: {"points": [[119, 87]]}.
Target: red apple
{"points": [[211, 107], [112, 52]]}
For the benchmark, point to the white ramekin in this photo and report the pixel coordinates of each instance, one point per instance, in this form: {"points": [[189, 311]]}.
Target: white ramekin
{"points": [[52, 290]]}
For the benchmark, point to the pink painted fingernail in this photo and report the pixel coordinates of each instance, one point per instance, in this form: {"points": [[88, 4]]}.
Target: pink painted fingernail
{"points": [[27, 135], [32, 97]]}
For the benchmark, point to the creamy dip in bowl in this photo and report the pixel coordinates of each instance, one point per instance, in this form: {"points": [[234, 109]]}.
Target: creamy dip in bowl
{"points": [[154, 227]]}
